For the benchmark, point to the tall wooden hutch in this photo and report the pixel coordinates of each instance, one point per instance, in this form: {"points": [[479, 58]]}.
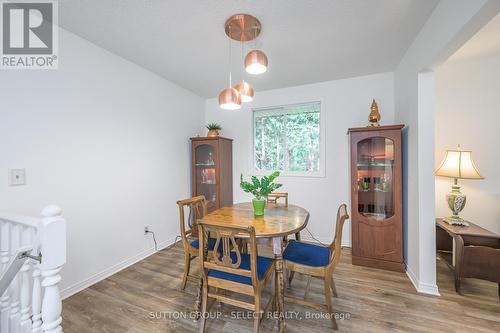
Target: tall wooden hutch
{"points": [[376, 197], [212, 170]]}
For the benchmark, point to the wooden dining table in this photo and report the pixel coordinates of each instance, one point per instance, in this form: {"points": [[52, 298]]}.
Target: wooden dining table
{"points": [[279, 220]]}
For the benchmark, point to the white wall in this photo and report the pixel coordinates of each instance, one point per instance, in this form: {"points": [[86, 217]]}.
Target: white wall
{"points": [[450, 25], [347, 104], [107, 141], [467, 113]]}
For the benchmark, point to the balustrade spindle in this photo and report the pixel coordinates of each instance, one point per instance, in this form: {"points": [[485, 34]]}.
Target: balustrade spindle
{"points": [[25, 278], [36, 299], [15, 317]]}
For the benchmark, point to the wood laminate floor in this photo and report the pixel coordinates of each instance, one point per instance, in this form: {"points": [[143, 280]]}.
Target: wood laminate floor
{"points": [[146, 298]]}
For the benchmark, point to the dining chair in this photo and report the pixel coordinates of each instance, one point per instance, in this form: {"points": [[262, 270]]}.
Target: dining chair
{"points": [[231, 270], [317, 261], [275, 196], [196, 208]]}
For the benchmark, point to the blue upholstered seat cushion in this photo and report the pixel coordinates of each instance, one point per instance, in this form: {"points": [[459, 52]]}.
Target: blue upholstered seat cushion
{"points": [[211, 244], [307, 254], [262, 266]]}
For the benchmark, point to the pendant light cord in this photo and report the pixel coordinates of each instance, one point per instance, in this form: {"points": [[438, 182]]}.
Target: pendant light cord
{"points": [[255, 37], [243, 62], [230, 78]]}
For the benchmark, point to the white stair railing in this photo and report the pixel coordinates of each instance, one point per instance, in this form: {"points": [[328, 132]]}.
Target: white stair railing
{"points": [[32, 253]]}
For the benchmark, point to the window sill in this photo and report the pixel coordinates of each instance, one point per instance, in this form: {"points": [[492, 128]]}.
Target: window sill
{"points": [[316, 174]]}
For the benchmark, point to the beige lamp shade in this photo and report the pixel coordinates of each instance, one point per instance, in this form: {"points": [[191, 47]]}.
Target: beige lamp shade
{"points": [[458, 164]]}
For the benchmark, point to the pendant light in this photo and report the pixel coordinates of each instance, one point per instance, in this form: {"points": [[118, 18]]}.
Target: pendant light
{"points": [[230, 98], [244, 88], [256, 60], [242, 28]]}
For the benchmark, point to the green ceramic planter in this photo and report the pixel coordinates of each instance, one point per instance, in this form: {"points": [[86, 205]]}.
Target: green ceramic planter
{"points": [[258, 206]]}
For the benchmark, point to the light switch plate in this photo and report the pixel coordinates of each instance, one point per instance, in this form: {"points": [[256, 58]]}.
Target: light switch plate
{"points": [[17, 177]]}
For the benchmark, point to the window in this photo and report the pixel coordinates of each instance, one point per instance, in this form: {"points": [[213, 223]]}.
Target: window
{"points": [[288, 138]]}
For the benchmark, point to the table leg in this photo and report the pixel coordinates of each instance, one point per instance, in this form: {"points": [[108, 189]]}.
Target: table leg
{"points": [[279, 283], [453, 252]]}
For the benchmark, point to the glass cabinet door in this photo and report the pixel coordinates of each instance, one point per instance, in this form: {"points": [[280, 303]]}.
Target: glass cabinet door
{"points": [[206, 181], [375, 177]]}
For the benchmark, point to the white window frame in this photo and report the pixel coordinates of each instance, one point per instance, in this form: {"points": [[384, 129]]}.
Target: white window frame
{"points": [[322, 136]]}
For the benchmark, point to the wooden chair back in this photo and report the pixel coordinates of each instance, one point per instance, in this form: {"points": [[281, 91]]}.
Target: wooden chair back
{"points": [[273, 197], [190, 210], [336, 245], [221, 259]]}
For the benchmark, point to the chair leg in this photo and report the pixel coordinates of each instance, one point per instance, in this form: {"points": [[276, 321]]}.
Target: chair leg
{"points": [[204, 300], [297, 236], [307, 286], [457, 285], [290, 278], [218, 292], [256, 320], [273, 294], [334, 288], [187, 266], [329, 303]]}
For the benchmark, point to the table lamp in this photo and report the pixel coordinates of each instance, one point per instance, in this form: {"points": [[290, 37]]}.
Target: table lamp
{"points": [[457, 164]]}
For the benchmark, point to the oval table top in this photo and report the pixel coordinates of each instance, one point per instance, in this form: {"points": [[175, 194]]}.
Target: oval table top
{"points": [[278, 219]]}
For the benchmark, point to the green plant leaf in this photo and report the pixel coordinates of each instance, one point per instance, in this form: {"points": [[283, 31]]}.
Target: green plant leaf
{"points": [[213, 126], [260, 188]]}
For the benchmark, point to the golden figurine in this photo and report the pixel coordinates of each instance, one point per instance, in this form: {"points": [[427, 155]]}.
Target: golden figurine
{"points": [[374, 116]]}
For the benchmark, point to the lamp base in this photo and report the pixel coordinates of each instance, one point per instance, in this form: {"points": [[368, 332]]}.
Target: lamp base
{"points": [[456, 202], [456, 221]]}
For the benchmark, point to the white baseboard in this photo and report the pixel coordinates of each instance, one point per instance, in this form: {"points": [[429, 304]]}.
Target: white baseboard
{"points": [[79, 286], [421, 287]]}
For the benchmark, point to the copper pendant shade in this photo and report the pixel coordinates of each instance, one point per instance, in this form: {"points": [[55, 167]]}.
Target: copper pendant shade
{"points": [[256, 62], [230, 99], [245, 90]]}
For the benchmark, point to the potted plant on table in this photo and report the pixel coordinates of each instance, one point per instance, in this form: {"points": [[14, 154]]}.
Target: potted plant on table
{"points": [[213, 129], [260, 188]]}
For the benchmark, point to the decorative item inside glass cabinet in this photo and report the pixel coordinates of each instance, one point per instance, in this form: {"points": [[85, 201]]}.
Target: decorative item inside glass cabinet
{"points": [[375, 176]]}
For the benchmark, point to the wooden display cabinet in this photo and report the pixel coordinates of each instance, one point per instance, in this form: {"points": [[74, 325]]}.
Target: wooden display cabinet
{"points": [[376, 197], [212, 170]]}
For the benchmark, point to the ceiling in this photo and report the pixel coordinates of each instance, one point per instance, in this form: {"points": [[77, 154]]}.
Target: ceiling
{"points": [[485, 42], [306, 41]]}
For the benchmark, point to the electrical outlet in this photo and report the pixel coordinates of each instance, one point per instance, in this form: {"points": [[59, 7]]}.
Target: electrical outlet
{"points": [[146, 229]]}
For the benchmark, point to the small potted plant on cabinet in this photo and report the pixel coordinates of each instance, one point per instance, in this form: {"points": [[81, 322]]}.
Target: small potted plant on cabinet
{"points": [[260, 188], [213, 129]]}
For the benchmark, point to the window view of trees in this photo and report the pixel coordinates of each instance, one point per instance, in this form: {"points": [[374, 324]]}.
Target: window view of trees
{"points": [[287, 138]]}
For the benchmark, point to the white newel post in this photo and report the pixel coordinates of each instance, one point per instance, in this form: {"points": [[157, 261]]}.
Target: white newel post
{"points": [[53, 248], [4, 260]]}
